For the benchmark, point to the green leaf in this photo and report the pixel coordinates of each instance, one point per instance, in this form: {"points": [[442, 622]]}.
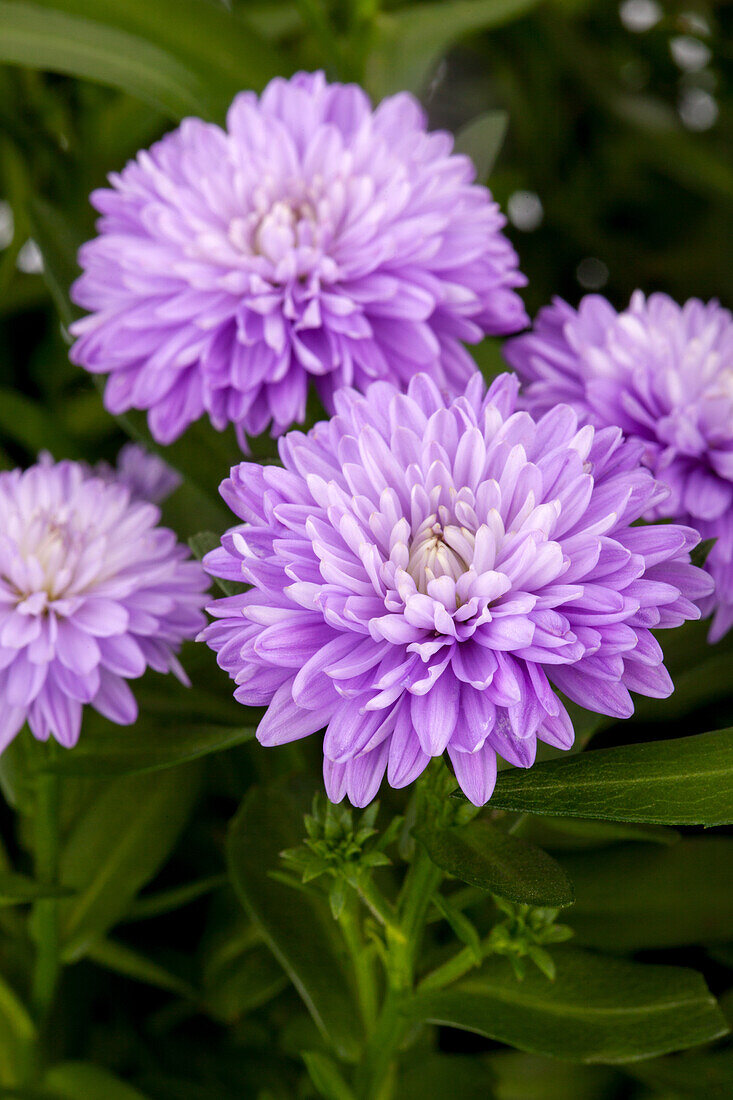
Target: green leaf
{"points": [[461, 925], [686, 781], [481, 140], [58, 244], [529, 1077], [218, 45], [17, 1038], [708, 1076], [40, 38], [572, 833], [17, 889], [326, 1076], [407, 43], [634, 897], [140, 750], [116, 846], [298, 927], [484, 856], [122, 959], [428, 1076], [242, 983], [166, 901], [84, 1081], [596, 1010]]}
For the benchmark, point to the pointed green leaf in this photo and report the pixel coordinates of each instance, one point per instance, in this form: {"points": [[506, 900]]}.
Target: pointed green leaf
{"points": [[17, 1037], [83, 1081], [243, 982], [408, 42], [687, 781], [122, 959], [707, 1076], [596, 1010], [326, 1076], [166, 901], [481, 140], [218, 45], [634, 897], [58, 244], [116, 846], [572, 833], [61, 43], [484, 856], [530, 1077], [298, 927], [17, 889], [141, 749]]}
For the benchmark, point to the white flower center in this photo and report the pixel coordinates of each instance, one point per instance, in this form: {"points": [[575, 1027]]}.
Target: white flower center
{"points": [[277, 227], [439, 549]]}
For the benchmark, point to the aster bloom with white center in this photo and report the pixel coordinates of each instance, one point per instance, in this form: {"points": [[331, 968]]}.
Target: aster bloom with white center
{"points": [[664, 374], [92, 592], [426, 571], [146, 475], [313, 239]]}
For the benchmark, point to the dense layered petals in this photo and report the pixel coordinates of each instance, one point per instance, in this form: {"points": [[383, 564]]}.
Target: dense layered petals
{"points": [[92, 592], [146, 475], [313, 239], [664, 374], [426, 571]]}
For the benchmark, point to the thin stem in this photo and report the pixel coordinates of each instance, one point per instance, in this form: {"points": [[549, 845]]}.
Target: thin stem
{"points": [[362, 959], [454, 968], [376, 903], [45, 910], [422, 881], [375, 1078], [375, 1075]]}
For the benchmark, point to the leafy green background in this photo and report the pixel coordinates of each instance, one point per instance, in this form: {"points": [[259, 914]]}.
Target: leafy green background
{"points": [[192, 974]]}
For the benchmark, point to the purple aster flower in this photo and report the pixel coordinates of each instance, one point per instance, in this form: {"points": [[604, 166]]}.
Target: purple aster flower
{"points": [[426, 571], [92, 592], [664, 374], [146, 475], [314, 238]]}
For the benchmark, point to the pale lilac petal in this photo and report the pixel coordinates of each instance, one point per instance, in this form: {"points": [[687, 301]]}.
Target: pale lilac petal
{"points": [[285, 721], [414, 590], [92, 591], [660, 372], [307, 240], [475, 772]]}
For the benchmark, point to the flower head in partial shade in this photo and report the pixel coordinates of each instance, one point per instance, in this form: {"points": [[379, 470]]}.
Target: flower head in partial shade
{"points": [[313, 239], [92, 591], [426, 571], [146, 475], [664, 374]]}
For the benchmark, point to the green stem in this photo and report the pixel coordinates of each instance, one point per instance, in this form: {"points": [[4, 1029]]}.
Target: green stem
{"points": [[375, 1078], [45, 911], [376, 903], [422, 881], [375, 1075], [362, 958], [455, 967]]}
